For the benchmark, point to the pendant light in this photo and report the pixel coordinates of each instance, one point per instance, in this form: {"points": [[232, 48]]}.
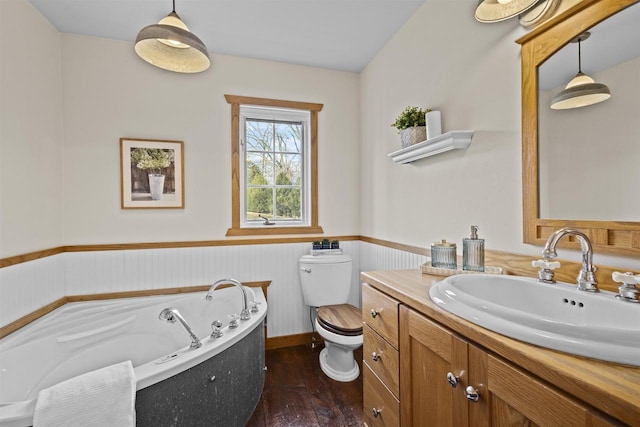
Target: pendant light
{"points": [[171, 46], [582, 90], [489, 11]]}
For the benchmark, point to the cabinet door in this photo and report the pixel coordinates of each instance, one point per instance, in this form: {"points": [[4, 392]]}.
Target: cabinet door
{"points": [[429, 353], [511, 397]]}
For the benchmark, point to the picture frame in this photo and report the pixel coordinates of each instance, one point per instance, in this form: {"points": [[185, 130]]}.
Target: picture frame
{"points": [[151, 174]]}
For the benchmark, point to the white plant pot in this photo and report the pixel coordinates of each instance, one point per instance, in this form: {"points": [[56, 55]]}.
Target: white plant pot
{"points": [[413, 135], [156, 185]]}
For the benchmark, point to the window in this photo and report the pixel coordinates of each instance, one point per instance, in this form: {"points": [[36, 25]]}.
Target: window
{"points": [[274, 166]]}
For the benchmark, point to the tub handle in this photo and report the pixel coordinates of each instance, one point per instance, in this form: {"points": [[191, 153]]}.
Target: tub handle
{"points": [[255, 306], [233, 320], [216, 329], [80, 335]]}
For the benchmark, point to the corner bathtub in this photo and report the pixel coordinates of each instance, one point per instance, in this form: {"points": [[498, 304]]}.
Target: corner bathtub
{"points": [[218, 384]]}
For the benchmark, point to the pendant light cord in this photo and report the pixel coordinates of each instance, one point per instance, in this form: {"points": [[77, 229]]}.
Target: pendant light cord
{"points": [[174, 6], [579, 56]]}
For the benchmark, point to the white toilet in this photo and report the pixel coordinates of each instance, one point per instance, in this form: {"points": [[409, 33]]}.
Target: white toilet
{"points": [[326, 283]]}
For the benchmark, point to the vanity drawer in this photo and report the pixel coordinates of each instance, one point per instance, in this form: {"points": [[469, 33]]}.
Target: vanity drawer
{"points": [[382, 359], [380, 312], [380, 406]]}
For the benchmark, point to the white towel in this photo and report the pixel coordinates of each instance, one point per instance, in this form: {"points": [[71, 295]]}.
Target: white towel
{"points": [[105, 397]]}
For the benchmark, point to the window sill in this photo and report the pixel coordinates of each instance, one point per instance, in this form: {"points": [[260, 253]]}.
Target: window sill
{"points": [[273, 230]]}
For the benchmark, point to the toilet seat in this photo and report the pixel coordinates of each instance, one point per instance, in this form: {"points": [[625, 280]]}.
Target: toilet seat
{"points": [[341, 319]]}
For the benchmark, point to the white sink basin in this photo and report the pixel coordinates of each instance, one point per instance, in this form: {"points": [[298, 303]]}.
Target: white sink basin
{"points": [[555, 316]]}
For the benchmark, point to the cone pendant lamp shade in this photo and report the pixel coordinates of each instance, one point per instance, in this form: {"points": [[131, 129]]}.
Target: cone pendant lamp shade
{"points": [[489, 11], [582, 90], [171, 46]]}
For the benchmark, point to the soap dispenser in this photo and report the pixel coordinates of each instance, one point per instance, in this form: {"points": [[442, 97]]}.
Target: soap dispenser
{"points": [[473, 251]]}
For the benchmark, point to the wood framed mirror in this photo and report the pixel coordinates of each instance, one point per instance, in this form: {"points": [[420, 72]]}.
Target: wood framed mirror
{"points": [[610, 235]]}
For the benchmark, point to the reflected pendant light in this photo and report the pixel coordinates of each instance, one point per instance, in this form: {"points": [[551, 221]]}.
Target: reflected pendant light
{"points": [[581, 90], [489, 11], [171, 46]]}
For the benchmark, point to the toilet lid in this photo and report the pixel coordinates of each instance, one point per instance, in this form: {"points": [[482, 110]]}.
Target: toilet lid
{"points": [[342, 319]]}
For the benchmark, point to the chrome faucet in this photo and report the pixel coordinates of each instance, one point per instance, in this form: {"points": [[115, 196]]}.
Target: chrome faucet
{"points": [[586, 278], [244, 314], [171, 315]]}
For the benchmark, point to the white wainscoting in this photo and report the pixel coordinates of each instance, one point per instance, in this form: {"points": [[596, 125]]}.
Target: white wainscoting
{"points": [[376, 257], [28, 286]]}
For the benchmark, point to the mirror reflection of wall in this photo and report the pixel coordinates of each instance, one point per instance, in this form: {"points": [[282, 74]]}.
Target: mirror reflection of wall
{"points": [[589, 157]]}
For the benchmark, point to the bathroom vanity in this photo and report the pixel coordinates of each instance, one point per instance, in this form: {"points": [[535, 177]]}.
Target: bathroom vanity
{"points": [[424, 366]]}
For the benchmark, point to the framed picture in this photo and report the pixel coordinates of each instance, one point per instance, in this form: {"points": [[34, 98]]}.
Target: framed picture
{"points": [[151, 174]]}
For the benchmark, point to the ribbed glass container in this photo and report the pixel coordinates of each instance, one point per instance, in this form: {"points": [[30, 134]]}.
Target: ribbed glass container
{"points": [[473, 254], [443, 255]]}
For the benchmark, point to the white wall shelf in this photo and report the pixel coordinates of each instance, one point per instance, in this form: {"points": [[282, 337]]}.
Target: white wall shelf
{"points": [[454, 140]]}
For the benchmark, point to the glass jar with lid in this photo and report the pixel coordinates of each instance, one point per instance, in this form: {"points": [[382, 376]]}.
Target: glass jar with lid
{"points": [[443, 255]]}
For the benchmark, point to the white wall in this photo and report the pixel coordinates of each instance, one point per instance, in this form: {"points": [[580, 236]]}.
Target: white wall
{"points": [[443, 59], [110, 93], [31, 143]]}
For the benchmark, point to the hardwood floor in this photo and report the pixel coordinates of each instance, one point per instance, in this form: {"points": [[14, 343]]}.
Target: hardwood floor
{"points": [[297, 392]]}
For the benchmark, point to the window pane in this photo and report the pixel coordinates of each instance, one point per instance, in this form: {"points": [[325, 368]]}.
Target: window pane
{"points": [[275, 173], [289, 137], [259, 135], [288, 203], [259, 201], [288, 169], [259, 169]]}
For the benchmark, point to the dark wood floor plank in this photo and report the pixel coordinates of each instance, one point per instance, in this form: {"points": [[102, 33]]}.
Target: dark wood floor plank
{"points": [[298, 393]]}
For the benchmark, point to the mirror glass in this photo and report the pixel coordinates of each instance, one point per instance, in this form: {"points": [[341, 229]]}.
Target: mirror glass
{"points": [[589, 157]]}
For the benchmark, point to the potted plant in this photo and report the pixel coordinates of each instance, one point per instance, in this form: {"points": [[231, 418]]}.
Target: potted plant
{"points": [[153, 160], [411, 125], [326, 244], [316, 244], [335, 244]]}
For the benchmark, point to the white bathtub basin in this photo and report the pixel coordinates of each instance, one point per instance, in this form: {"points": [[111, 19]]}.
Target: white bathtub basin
{"points": [[556, 316], [81, 337]]}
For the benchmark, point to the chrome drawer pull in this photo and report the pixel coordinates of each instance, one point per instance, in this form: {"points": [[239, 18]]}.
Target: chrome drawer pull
{"points": [[452, 380], [374, 313], [375, 356], [376, 412], [472, 394]]}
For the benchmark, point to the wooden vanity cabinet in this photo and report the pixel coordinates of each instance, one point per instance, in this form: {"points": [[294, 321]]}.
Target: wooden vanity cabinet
{"points": [[434, 359]]}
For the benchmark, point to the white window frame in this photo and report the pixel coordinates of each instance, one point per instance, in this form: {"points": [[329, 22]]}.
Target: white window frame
{"points": [[248, 112]]}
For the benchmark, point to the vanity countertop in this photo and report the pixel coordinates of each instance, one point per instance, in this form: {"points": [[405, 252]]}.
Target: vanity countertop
{"points": [[613, 389]]}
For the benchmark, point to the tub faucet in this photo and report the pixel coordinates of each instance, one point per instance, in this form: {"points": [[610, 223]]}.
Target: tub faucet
{"points": [[244, 315], [586, 278], [171, 315]]}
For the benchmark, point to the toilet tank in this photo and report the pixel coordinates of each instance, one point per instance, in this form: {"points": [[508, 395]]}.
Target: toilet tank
{"points": [[325, 279]]}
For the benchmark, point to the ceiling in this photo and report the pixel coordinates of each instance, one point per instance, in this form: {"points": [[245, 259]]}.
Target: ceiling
{"points": [[335, 34]]}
